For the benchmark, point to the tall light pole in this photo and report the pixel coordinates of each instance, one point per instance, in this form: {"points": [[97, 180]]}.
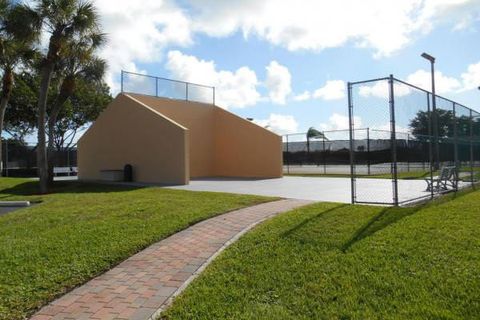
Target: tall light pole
{"points": [[436, 149]]}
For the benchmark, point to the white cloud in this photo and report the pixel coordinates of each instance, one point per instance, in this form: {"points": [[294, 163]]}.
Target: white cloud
{"points": [[340, 122], [233, 89], [423, 79], [471, 78], [380, 90], [385, 26], [443, 84], [302, 96], [278, 82], [460, 13], [139, 33], [278, 123], [332, 90]]}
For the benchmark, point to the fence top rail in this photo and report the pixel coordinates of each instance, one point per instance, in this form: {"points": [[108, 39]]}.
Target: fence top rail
{"points": [[428, 92], [369, 80], [323, 131], [453, 102], [413, 86], [167, 79]]}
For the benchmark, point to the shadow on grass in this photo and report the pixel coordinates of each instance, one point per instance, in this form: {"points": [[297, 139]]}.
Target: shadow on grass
{"points": [[392, 215], [385, 218], [31, 188], [309, 220]]}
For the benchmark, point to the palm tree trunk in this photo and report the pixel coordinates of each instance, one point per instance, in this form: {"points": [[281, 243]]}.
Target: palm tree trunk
{"points": [[42, 164], [66, 90], [50, 147], [52, 120]]}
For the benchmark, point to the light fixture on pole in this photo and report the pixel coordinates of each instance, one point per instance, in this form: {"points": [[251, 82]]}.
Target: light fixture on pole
{"points": [[436, 149]]}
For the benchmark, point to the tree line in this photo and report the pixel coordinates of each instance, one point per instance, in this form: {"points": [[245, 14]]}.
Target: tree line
{"points": [[52, 77]]}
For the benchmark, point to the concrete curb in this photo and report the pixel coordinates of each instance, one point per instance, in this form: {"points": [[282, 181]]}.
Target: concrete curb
{"points": [[14, 204]]}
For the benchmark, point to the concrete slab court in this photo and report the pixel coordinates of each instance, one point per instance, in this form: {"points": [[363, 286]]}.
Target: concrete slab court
{"points": [[312, 188], [144, 284]]}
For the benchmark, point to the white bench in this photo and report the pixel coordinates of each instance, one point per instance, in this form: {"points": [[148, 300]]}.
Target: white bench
{"points": [[65, 170]]}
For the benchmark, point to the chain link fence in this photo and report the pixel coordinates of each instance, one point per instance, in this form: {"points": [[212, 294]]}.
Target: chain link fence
{"points": [[429, 145], [330, 154], [162, 87], [327, 154], [20, 160]]}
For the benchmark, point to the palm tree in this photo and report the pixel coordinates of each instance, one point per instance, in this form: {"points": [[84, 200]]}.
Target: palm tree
{"points": [[63, 20], [79, 62], [18, 31], [313, 133]]}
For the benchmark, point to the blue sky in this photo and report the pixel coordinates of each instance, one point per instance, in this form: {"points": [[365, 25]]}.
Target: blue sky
{"points": [[285, 63]]}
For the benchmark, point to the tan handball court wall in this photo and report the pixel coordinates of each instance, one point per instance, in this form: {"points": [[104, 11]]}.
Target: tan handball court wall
{"points": [[128, 132], [171, 141], [199, 119], [223, 144], [244, 149]]}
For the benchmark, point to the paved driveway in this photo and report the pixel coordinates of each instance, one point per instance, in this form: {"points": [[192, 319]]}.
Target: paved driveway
{"points": [[316, 189]]}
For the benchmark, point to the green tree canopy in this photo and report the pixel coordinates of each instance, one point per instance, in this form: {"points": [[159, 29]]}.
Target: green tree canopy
{"points": [[446, 125], [86, 103], [83, 107]]}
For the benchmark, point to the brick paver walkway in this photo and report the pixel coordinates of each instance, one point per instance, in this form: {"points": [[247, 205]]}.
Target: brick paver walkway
{"points": [[144, 284]]}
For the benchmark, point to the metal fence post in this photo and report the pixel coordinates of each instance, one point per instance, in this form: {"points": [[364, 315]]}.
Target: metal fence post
{"points": [[408, 153], [351, 126], [156, 86], [213, 95], [186, 91], [68, 161], [393, 140], [121, 81], [368, 151], [471, 149], [324, 155], [455, 144], [430, 147], [6, 158], [288, 157]]}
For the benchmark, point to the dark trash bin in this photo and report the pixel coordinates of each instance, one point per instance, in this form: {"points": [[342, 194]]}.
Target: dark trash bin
{"points": [[128, 173]]}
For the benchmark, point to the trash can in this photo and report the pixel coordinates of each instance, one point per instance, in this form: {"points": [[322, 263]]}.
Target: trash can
{"points": [[128, 173]]}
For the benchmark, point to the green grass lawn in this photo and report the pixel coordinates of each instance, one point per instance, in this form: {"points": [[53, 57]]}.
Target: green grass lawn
{"points": [[81, 230], [332, 261]]}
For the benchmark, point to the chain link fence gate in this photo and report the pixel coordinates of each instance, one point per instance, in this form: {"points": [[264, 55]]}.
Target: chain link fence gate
{"points": [[426, 151]]}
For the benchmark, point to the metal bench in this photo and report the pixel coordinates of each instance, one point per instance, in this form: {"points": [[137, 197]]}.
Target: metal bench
{"points": [[448, 179]]}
